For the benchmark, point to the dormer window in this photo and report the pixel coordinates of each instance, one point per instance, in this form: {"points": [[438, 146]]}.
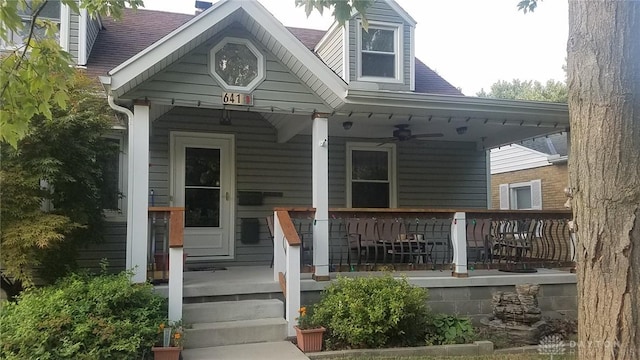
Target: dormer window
{"points": [[379, 53], [50, 12]]}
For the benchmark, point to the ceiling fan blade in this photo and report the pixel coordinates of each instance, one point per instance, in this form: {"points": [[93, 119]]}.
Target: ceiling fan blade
{"points": [[430, 135], [386, 140]]}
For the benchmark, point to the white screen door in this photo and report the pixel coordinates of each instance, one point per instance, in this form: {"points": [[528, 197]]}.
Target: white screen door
{"points": [[203, 182]]}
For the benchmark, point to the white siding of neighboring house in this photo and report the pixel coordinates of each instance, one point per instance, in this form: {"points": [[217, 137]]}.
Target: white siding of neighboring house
{"points": [[381, 11], [332, 52], [516, 157]]}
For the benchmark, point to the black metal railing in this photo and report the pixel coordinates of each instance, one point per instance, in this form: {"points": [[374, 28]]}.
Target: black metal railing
{"points": [[519, 241]]}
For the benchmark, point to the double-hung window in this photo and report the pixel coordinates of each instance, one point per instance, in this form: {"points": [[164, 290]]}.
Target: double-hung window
{"points": [[379, 53], [521, 196], [50, 12], [371, 175]]}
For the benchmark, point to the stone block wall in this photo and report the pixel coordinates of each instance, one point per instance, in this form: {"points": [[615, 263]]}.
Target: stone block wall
{"points": [[554, 179], [555, 300]]}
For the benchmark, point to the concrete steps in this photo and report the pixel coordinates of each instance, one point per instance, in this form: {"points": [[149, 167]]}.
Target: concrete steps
{"points": [[222, 323]]}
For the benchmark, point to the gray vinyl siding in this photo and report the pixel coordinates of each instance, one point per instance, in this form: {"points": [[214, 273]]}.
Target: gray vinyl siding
{"points": [[74, 30], [262, 164], [430, 174], [93, 28], [112, 248], [332, 51], [189, 80], [381, 11]]}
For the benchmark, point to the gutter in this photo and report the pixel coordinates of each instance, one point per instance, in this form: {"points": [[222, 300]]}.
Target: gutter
{"points": [[557, 159], [106, 83]]}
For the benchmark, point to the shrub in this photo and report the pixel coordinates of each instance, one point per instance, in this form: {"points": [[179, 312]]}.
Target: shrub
{"points": [[449, 329], [82, 317], [372, 312]]}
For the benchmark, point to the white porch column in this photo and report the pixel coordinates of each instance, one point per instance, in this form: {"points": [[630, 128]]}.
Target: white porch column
{"points": [[320, 162], [459, 241], [137, 192]]}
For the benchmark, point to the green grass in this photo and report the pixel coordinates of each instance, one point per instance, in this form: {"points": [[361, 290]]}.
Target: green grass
{"points": [[485, 357]]}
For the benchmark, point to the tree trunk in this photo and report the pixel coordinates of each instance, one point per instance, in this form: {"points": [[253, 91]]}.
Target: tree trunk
{"points": [[604, 106]]}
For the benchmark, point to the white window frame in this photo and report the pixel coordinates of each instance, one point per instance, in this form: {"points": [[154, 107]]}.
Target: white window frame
{"points": [[261, 64], [121, 214], [508, 195], [391, 168], [397, 31], [26, 22]]}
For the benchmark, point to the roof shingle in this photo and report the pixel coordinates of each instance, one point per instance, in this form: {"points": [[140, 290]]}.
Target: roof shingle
{"points": [[139, 29]]}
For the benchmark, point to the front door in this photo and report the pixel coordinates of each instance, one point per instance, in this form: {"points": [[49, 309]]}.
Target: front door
{"points": [[203, 182]]}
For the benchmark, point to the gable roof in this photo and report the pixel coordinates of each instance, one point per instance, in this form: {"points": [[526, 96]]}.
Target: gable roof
{"points": [[555, 144], [120, 40]]}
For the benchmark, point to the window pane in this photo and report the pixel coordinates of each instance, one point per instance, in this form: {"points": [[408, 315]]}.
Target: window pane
{"points": [[369, 195], [369, 165], [110, 191], [202, 167], [380, 65], [523, 197], [378, 40], [236, 64], [51, 10], [202, 207]]}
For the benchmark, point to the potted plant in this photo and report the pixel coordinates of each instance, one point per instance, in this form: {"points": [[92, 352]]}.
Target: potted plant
{"points": [[308, 335], [170, 341]]}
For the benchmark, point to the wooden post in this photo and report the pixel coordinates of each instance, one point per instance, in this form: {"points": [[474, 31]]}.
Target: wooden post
{"points": [[320, 170], [138, 192], [459, 241]]}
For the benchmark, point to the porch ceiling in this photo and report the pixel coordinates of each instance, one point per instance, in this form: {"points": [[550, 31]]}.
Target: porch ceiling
{"points": [[489, 122]]}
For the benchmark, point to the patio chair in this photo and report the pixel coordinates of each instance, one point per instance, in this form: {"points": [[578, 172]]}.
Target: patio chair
{"points": [[510, 241], [363, 238]]}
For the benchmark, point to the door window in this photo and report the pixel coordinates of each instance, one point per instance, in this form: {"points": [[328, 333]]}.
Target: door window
{"points": [[202, 187]]}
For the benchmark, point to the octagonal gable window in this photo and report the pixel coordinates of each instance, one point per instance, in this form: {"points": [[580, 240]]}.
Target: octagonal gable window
{"points": [[236, 64]]}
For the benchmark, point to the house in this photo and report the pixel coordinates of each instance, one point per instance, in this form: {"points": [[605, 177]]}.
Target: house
{"points": [[531, 174], [227, 115]]}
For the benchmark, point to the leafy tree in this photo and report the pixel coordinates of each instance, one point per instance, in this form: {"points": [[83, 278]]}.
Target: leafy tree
{"points": [[35, 76], [552, 91], [65, 154], [341, 8]]}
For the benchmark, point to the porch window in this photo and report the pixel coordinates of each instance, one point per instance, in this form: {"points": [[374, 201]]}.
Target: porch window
{"points": [[112, 165], [236, 64], [521, 196], [370, 174], [379, 53]]}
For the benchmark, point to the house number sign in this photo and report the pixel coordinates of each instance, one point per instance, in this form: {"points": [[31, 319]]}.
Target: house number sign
{"points": [[229, 98]]}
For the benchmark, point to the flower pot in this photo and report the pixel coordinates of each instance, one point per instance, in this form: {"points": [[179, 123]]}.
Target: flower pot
{"points": [[309, 340], [166, 352]]}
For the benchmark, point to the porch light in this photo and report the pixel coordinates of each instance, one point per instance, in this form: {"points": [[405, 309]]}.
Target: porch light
{"points": [[461, 130], [225, 119], [347, 125]]}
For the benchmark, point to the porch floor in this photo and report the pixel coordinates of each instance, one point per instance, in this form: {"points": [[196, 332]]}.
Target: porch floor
{"points": [[259, 279]]}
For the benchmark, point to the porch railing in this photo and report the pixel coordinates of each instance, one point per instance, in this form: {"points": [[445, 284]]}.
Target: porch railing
{"points": [[165, 254], [434, 239], [286, 264]]}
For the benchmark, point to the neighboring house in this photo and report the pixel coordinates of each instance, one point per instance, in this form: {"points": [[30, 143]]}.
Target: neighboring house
{"points": [[230, 114], [530, 175]]}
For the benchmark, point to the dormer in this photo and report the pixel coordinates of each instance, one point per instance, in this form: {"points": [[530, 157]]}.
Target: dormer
{"points": [[381, 57]]}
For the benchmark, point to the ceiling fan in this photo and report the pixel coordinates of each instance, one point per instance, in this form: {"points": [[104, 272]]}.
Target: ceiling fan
{"points": [[403, 133]]}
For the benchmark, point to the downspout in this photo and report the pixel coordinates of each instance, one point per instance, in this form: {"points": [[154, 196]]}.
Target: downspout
{"points": [[106, 82]]}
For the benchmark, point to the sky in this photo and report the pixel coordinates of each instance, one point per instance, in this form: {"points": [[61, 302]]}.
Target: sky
{"points": [[471, 43]]}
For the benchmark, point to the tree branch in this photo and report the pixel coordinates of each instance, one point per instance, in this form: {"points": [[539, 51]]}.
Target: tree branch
{"points": [[34, 16]]}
